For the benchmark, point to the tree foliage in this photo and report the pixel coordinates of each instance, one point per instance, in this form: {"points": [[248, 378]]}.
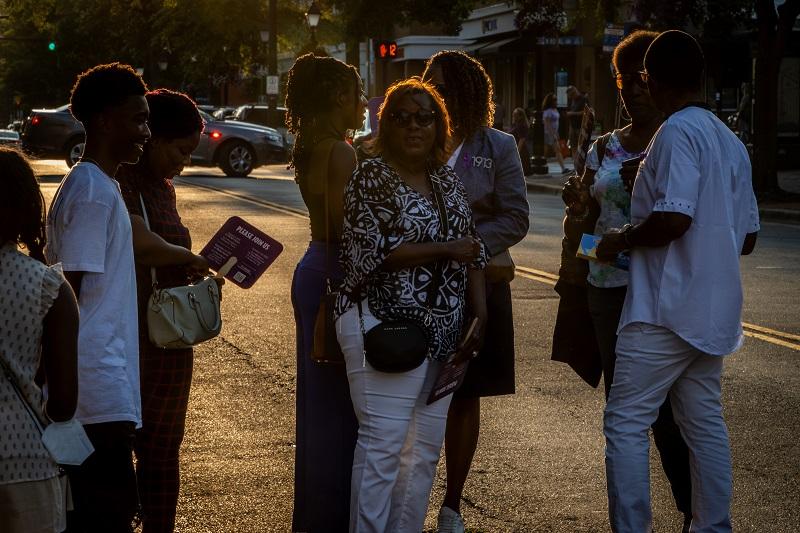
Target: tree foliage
{"points": [[362, 19], [204, 42], [541, 17]]}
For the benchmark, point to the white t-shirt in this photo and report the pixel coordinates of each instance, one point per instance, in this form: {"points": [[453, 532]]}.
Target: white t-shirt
{"points": [[696, 166], [89, 230]]}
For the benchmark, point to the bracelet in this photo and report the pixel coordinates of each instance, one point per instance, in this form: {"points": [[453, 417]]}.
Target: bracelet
{"points": [[626, 229]]}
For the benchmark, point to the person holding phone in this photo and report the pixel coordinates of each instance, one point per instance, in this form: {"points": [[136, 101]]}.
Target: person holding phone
{"points": [[609, 180]]}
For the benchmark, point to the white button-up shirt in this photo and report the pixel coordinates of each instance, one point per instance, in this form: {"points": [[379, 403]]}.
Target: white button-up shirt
{"points": [[692, 286]]}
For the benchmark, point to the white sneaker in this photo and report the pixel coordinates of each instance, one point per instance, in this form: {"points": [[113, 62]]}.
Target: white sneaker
{"points": [[449, 521]]}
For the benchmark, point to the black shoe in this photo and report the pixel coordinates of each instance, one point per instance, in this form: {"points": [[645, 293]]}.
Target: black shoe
{"points": [[687, 522]]}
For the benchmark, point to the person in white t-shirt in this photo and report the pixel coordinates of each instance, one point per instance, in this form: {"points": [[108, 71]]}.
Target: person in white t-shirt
{"points": [[89, 233], [693, 213]]}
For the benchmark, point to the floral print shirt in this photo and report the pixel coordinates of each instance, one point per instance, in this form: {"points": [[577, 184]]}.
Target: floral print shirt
{"points": [[615, 205], [381, 212]]}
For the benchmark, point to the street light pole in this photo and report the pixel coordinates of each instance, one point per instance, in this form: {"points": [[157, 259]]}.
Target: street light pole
{"points": [[313, 16], [272, 57]]}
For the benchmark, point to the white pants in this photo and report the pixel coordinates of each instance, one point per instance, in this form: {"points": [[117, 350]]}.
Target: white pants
{"points": [[399, 437], [652, 362]]}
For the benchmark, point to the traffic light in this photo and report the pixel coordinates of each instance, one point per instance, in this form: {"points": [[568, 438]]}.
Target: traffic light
{"points": [[51, 46], [386, 49]]}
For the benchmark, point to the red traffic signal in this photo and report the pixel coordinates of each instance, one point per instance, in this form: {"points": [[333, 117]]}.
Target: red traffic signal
{"points": [[386, 49]]}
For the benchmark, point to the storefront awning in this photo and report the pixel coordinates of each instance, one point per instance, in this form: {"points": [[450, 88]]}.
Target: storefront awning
{"points": [[491, 47]]}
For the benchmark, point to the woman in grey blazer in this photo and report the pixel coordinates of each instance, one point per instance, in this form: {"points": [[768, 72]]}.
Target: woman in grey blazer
{"points": [[488, 164]]}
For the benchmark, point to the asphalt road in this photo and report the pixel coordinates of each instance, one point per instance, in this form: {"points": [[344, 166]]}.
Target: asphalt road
{"points": [[539, 466]]}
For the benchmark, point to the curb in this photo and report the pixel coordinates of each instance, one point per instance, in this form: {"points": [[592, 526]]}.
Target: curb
{"points": [[541, 185], [780, 215]]}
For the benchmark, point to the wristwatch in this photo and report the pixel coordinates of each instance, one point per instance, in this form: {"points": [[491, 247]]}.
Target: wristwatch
{"points": [[625, 231]]}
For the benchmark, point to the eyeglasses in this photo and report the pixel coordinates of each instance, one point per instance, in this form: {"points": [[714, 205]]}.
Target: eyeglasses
{"points": [[637, 78], [423, 118]]}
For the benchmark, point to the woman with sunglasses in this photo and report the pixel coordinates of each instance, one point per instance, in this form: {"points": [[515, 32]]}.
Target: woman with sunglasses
{"points": [[401, 263], [487, 163], [610, 196]]}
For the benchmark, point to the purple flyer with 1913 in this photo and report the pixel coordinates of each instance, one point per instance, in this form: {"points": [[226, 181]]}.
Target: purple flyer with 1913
{"points": [[241, 252]]}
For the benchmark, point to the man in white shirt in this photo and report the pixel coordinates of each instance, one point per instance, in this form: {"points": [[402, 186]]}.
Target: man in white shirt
{"points": [[693, 212], [89, 233]]}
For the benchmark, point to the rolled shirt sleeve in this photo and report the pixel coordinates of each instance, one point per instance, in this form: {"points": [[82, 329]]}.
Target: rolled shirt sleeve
{"points": [[84, 237], [677, 172]]}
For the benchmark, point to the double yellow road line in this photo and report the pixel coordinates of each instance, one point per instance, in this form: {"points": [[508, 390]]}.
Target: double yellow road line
{"points": [[779, 338], [773, 336]]}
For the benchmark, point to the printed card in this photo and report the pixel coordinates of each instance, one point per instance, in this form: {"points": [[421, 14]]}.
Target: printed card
{"points": [[588, 250], [241, 252]]}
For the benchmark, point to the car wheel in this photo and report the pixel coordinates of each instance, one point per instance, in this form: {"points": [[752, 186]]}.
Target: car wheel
{"points": [[237, 159], [74, 152]]}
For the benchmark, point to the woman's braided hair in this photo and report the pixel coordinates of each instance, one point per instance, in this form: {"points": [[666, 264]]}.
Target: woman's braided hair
{"points": [[22, 216], [312, 85], [470, 96]]}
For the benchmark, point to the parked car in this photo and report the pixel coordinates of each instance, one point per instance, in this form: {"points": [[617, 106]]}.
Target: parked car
{"points": [[53, 134], [9, 137], [224, 113], [236, 147], [259, 114]]}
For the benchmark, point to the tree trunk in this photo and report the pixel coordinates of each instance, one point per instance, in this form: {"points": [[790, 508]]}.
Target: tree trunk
{"points": [[774, 30], [353, 52], [765, 112]]}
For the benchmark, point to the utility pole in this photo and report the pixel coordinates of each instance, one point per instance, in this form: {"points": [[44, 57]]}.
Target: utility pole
{"points": [[272, 61]]}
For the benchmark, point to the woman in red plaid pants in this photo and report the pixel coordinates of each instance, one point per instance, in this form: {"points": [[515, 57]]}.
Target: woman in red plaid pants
{"points": [[166, 375]]}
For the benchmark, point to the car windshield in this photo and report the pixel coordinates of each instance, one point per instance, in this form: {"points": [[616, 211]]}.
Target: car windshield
{"points": [[206, 117]]}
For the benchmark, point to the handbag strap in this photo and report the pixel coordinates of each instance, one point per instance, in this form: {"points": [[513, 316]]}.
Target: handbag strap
{"points": [[147, 225], [18, 391], [436, 280]]}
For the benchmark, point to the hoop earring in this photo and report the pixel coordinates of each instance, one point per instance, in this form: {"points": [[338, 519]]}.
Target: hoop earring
{"points": [[624, 113]]}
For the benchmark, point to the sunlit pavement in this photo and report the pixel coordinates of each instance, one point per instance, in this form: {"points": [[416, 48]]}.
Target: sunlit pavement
{"points": [[539, 466]]}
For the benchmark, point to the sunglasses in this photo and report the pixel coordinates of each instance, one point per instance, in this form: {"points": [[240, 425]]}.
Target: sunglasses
{"points": [[637, 78], [423, 118]]}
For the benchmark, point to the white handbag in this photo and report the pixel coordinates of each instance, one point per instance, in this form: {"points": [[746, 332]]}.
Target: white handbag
{"points": [[181, 317]]}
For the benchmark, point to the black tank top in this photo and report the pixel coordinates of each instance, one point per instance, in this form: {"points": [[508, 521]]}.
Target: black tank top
{"points": [[315, 201]]}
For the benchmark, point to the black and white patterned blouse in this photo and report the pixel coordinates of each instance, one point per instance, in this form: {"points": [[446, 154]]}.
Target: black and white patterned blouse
{"points": [[381, 212]]}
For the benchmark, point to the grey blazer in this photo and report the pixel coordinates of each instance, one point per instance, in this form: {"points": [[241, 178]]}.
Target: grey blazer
{"points": [[491, 171]]}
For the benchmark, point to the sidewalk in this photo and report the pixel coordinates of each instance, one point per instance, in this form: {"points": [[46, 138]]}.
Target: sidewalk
{"points": [[789, 180]]}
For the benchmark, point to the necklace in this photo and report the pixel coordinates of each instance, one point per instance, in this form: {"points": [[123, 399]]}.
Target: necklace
{"points": [[90, 160]]}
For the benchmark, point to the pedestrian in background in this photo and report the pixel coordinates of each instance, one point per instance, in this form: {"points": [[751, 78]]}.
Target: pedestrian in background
{"points": [[519, 129], [38, 329], [607, 284], [401, 264], [577, 101], [89, 233], [552, 139], [693, 213], [324, 99], [487, 163], [166, 375]]}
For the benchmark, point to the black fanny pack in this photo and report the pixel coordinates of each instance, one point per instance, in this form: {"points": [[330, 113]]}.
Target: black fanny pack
{"points": [[397, 346]]}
